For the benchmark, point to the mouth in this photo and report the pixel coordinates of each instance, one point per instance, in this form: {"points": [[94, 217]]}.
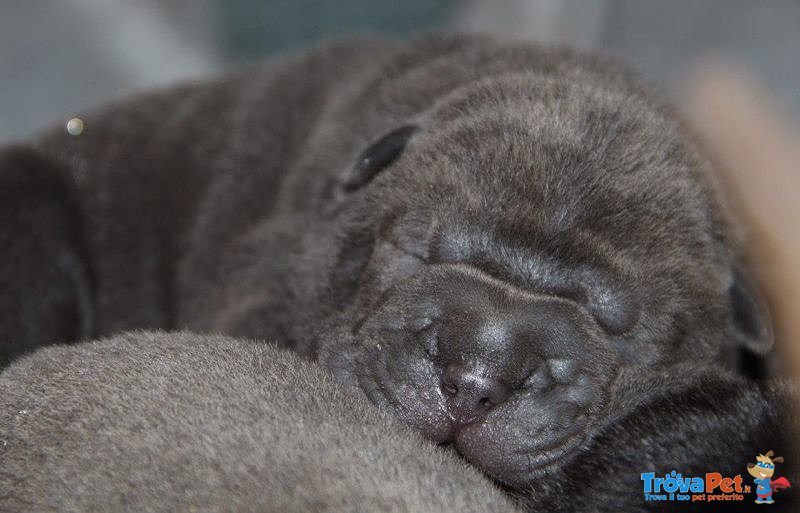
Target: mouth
{"points": [[517, 462], [512, 456]]}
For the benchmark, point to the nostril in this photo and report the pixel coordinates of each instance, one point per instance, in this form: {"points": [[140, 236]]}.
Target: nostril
{"points": [[471, 394], [492, 392]]}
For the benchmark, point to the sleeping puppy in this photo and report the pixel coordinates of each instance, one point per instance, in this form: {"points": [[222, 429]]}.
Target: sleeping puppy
{"points": [[503, 244], [150, 422]]}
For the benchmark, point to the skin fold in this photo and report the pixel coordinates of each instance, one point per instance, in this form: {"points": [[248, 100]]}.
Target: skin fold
{"points": [[514, 249]]}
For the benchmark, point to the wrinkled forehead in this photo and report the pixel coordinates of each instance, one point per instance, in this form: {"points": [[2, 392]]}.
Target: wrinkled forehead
{"points": [[581, 116], [538, 155], [546, 191], [562, 127]]}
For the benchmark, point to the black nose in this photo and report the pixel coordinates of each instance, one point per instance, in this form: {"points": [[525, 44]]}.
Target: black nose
{"points": [[470, 394]]}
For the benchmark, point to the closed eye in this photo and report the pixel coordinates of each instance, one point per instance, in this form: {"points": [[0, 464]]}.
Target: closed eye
{"points": [[614, 310]]}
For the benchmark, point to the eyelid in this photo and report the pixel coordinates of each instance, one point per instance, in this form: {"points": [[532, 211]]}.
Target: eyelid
{"points": [[615, 311]]}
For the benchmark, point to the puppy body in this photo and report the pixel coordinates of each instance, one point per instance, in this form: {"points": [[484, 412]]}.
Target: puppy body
{"points": [[506, 245], [150, 422], [692, 423], [169, 183], [218, 206]]}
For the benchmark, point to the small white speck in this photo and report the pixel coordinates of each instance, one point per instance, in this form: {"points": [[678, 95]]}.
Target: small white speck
{"points": [[23, 412], [378, 347], [75, 126]]}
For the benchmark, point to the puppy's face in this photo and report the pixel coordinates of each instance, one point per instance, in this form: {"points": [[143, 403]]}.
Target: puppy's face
{"points": [[521, 261]]}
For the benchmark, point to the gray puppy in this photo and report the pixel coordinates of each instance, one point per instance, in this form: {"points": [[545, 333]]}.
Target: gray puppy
{"points": [[504, 244], [150, 422]]}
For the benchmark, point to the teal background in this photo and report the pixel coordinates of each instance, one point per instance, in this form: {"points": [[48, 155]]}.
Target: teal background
{"points": [[255, 28]]}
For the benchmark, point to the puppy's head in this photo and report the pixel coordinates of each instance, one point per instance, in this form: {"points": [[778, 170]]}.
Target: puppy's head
{"points": [[522, 259]]}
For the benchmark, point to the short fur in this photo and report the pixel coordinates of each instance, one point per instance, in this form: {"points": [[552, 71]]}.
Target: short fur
{"points": [[506, 245], [691, 423], [155, 422], [151, 422]]}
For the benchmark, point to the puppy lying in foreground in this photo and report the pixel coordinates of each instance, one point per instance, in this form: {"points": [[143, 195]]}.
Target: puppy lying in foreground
{"points": [[516, 250], [152, 422], [148, 422]]}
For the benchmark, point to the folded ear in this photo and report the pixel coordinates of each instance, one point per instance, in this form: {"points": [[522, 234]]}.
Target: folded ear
{"points": [[377, 157], [751, 324], [45, 286]]}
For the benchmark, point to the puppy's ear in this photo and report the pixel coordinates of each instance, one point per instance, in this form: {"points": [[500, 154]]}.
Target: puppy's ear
{"points": [[377, 157], [45, 286], [752, 327]]}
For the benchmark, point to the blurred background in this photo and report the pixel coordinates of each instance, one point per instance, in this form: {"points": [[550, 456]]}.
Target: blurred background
{"points": [[58, 57]]}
